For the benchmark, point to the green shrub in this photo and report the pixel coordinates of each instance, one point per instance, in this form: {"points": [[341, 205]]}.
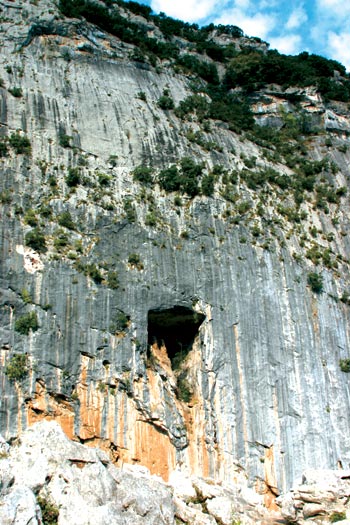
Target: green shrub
{"points": [[141, 95], [16, 92], [337, 516], [30, 218], [65, 219], [26, 297], [130, 211], [112, 280], [195, 104], [5, 197], [104, 179], [243, 207], [165, 101], [64, 140], [315, 281], [90, 270], [61, 240], [27, 322], [35, 239], [49, 511], [143, 175], [4, 151], [189, 176], [168, 179], [73, 177], [120, 323], [208, 185], [135, 260], [16, 369], [20, 143], [151, 219], [45, 211], [344, 365], [93, 271]]}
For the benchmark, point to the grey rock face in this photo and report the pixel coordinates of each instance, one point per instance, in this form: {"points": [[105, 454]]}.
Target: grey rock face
{"points": [[262, 380], [80, 486]]}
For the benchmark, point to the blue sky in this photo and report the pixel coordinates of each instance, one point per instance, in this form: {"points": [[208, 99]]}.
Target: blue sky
{"points": [[291, 26]]}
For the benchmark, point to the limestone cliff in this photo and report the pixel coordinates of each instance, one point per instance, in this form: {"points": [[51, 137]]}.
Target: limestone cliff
{"points": [[100, 260]]}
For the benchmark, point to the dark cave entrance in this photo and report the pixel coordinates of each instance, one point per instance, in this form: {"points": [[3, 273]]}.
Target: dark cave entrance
{"points": [[177, 327]]}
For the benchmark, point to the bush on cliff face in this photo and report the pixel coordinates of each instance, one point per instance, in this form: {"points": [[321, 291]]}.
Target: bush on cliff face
{"points": [[35, 239], [315, 281], [49, 511], [165, 101], [16, 369], [143, 175], [73, 177], [20, 143], [344, 365], [26, 323]]}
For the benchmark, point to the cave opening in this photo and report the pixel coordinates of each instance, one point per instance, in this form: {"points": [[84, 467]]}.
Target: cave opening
{"points": [[177, 328]]}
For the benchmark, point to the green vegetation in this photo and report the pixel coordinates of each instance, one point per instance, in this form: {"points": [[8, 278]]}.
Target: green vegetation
{"points": [[151, 219], [142, 96], [143, 175], [344, 365], [337, 516], [61, 240], [135, 261], [165, 101], [120, 323], [30, 218], [183, 390], [16, 92], [65, 219], [315, 281], [35, 239], [26, 323], [64, 140], [104, 179], [130, 211], [250, 68], [16, 369], [4, 151], [253, 70], [73, 177], [90, 269], [112, 280], [185, 180], [5, 197], [20, 143], [49, 511], [26, 297]]}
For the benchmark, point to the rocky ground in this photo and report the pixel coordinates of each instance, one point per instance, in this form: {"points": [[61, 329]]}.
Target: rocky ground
{"points": [[45, 478]]}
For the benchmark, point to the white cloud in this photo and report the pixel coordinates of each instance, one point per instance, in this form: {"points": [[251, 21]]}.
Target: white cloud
{"points": [[289, 45], [187, 10], [334, 8], [256, 25], [339, 47], [268, 4], [242, 4], [296, 18]]}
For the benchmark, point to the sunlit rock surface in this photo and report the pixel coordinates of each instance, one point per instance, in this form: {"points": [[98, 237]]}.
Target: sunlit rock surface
{"points": [[259, 393]]}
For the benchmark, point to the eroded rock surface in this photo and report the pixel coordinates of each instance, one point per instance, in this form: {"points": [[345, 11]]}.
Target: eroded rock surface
{"points": [[44, 470], [255, 391]]}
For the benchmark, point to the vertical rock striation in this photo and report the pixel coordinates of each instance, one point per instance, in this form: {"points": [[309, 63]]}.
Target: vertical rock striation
{"points": [[259, 389]]}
